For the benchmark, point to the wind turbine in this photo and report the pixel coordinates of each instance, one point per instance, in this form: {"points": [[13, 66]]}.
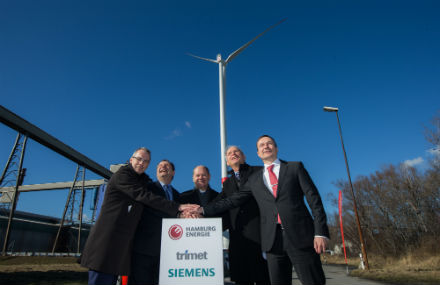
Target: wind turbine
{"points": [[222, 87]]}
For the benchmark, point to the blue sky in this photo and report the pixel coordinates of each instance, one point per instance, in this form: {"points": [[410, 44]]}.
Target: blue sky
{"points": [[108, 76]]}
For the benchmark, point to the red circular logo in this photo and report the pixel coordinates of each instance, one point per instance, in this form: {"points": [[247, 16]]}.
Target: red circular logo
{"points": [[175, 232]]}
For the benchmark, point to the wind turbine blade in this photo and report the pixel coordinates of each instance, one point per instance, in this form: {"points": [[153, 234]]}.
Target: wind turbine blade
{"points": [[202, 58], [235, 53]]}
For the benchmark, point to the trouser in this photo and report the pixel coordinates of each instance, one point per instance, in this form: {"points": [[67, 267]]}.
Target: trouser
{"points": [[100, 278], [144, 269], [283, 256]]}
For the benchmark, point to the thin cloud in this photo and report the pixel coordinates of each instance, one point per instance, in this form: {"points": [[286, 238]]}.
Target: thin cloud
{"points": [[174, 134], [177, 132], [413, 162]]}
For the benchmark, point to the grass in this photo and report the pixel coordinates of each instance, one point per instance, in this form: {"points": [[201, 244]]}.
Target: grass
{"points": [[36, 270], [35, 260], [410, 269]]}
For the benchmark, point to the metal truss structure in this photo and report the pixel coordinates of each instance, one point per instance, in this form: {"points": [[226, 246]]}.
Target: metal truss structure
{"points": [[10, 190]]}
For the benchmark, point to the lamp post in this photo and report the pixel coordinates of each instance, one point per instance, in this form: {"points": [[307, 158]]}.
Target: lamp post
{"points": [[364, 251]]}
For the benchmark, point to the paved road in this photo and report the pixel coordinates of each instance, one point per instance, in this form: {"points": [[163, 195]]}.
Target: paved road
{"points": [[335, 275]]}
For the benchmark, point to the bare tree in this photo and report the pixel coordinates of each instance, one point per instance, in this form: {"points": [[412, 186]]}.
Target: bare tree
{"points": [[398, 206]]}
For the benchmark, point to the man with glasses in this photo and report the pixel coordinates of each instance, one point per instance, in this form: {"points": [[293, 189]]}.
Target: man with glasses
{"points": [[108, 249], [147, 241]]}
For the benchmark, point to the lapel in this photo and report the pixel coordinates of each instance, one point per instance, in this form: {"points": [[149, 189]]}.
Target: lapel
{"points": [[261, 186], [174, 191], [211, 193], [196, 196], [161, 191], [208, 193], [244, 173], [281, 176], [235, 184]]}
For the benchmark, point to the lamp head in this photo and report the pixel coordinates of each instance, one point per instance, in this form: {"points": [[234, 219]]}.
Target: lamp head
{"points": [[330, 109]]}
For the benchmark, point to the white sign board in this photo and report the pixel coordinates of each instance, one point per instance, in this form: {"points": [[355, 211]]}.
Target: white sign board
{"points": [[191, 252]]}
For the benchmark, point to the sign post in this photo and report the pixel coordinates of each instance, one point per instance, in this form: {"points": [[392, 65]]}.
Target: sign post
{"points": [[342, 228], [191, 252]]}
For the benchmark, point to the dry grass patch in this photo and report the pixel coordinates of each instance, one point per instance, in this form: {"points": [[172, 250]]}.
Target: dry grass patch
{"points": [[399, 276], [36, 270], [409, 269], [339, 259]]}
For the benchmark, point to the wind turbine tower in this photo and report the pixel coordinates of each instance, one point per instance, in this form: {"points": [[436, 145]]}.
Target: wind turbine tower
{"points": [[222, 90]]}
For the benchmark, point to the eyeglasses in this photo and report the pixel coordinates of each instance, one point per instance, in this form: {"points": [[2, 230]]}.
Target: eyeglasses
{"points": [[139, 159]]}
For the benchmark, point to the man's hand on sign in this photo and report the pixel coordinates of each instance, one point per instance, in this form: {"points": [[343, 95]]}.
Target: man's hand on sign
{"points": [[189, 215]]}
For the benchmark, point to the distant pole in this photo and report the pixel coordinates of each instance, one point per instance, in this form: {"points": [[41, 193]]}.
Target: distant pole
{"points": [[361, 238], [65, 209], [81, 207], [222, 87], [342, 228]]}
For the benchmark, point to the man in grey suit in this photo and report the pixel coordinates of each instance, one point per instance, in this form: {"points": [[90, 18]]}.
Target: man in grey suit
{"points": [[289, 234]]}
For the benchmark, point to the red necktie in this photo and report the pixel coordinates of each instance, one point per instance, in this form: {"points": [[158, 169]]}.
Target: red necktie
{"points": [[274, 184]]}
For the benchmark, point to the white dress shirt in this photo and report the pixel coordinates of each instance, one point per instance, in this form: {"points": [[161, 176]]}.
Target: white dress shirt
{"points": [[276, 170]]}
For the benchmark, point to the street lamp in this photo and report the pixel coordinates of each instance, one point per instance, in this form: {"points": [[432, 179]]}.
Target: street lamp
{"points": [[364, 251]]}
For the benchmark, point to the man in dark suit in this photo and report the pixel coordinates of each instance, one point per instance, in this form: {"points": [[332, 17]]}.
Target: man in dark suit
{"points": [[289, 234], [202, 193], [108, 249], [147, 240], [246, 263]]}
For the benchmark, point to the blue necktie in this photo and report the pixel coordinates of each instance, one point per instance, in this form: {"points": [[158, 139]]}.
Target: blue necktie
{"points": [[168, 192]]}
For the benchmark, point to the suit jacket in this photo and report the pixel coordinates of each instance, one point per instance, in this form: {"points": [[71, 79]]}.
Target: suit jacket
{"points": [[109, 245], [246, 218], [294, 183], [246, 263], [147, 239], [192, 196]]}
